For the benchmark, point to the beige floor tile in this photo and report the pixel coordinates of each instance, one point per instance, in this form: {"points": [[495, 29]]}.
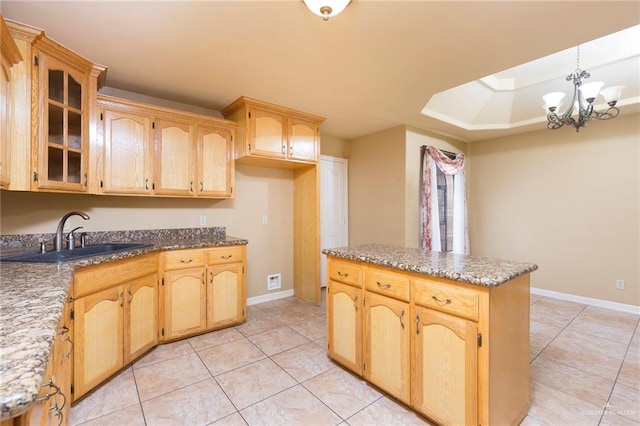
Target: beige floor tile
{"points": [[252, 383], [114, 395], [258, 322], [587, 353], [167, 376], [542, 334], [553, 407], [229, 356], [580, 384], [234, 419], [130, 416], [294, 406], [304, 362], [198, 404], [625, 401], [343, 392], [630, 374], [605, 324], [554, 311], [165, 352], [278, 340], [386, 412], [530, 421], [533, 298], [214, 338], [611, 418], [313, 329], [322, 343]]}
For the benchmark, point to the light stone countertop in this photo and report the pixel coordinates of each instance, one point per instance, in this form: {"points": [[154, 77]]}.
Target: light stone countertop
{"points": [[457, 267], [32, 298]]}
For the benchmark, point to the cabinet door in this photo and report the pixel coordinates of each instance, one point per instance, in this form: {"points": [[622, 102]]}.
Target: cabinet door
{"points": [[267, 133], [140, 316], [215, 162], [63, 140], [98, 330], [185, 299], [128, 153], [174, 158], [225, 295], [386, 354], [344, 325], [444, 366], [303, 140]]}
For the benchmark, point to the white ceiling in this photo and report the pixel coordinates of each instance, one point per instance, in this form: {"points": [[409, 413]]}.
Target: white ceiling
{"points": [[373, 67]]}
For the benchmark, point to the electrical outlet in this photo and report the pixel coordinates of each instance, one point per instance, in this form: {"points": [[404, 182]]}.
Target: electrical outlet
{"points": [[620, 284], [265, 219], [274, 281], [203, 220]]}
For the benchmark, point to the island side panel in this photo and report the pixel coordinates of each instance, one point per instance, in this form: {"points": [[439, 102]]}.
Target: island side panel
{"points": [[509, 346]]}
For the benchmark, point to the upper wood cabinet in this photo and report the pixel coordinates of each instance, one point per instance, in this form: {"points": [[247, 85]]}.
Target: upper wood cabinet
{"points": [[149, 150], [61, 105], [274, 135], [10, 55]]}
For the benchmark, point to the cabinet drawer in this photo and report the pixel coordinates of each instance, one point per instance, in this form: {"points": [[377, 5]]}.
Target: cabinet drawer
{"points": [[388, 283], [346, 272], [179, 259], [96, 278], [448, 298], [229, 254]]}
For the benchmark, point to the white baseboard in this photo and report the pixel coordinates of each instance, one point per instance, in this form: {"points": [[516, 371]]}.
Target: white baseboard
{"points": [[622, 307], [269, 297]]}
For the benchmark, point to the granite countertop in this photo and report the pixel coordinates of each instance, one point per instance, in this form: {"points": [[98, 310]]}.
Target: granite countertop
{"points": [[481, 271], [33, 296]]}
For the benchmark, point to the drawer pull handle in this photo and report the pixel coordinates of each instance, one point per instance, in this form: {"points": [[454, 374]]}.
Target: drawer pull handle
{"points": [[383, 286], [64, 330], [355, 303], [122, 299], [402, 315], [226, 257], [68, 354], [130, 297], [211, 280], [343, 274], [186, 261], [417, 324], [440, 301]]}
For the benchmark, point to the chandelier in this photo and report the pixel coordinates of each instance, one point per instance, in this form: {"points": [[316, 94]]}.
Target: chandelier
{"points": [[326, 8], [582, 102]]}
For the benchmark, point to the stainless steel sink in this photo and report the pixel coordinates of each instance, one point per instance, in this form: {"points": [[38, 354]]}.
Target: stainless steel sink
{"points": [[75, 254]]}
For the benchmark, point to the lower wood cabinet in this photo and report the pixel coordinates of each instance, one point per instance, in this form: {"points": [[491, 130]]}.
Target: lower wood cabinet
{"points": [[344, 325], [54, 399], [386, 336], [444, 366], [456, 353], [116, 317], [202, 290]]}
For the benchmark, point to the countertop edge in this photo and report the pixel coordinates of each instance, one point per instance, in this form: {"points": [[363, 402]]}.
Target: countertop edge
{"points": [[486, 272]]}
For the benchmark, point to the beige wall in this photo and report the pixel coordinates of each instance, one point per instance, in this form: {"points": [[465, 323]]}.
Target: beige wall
{"points": [[567, 201], [384, 172], [376, 188], [334, 147], [259, 191]]}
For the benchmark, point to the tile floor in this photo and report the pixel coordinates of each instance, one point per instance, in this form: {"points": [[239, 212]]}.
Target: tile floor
{"points": [[585, 370]]}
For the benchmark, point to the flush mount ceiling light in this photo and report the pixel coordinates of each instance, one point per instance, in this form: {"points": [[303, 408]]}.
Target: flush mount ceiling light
{"points": [[582, 102], [326, 8]]}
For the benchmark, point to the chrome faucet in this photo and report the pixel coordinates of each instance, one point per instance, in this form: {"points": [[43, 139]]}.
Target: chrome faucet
{"points": [[57, 241]]}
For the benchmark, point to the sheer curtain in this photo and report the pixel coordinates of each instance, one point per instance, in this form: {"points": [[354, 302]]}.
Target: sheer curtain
{"points": [[433, 158]]}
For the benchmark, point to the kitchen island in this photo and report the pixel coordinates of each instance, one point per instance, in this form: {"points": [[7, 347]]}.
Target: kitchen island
{"points": [[34, 297], [445, 334]]}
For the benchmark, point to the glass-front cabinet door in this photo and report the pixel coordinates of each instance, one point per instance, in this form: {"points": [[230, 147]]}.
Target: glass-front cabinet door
{"points": [[63, 138]]}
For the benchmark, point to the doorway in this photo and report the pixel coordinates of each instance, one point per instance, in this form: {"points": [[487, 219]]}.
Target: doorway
{"points": [[334, 215]]}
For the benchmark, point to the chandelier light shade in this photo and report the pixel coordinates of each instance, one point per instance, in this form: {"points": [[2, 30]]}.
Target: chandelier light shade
{"points": [[326, 8], [581, 107]]}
